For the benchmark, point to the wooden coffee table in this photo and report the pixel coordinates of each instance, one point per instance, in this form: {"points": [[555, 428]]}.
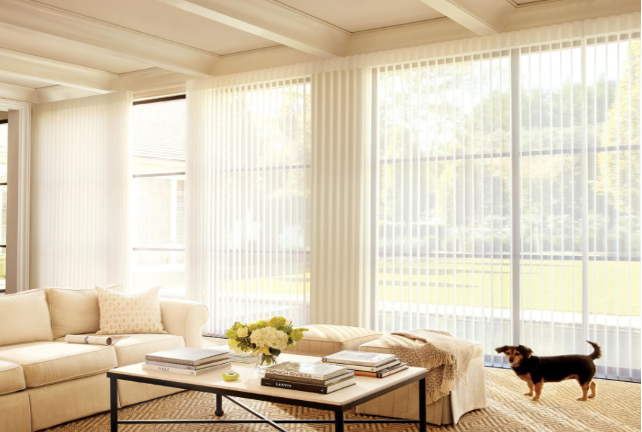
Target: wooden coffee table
{"points": [[249, 386]]}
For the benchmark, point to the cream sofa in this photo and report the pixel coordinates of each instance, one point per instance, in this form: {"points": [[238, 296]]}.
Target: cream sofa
{"points": [[45, 381]]}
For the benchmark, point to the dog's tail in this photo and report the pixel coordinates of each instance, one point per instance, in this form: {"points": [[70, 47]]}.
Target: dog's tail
{"points": [[597, 351]]}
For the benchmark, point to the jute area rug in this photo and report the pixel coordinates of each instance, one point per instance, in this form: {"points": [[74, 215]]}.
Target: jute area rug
{"points": [[617, 408]]}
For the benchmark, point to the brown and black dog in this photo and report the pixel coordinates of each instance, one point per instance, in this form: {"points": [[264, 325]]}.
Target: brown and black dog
{"points": [[538, 370]]}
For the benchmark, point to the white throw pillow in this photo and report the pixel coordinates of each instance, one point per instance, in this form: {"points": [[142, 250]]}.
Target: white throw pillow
{"points": [[123, 314]]}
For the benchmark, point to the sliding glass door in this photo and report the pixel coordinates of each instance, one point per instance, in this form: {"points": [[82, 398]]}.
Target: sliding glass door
{"points": [[507, 198]]}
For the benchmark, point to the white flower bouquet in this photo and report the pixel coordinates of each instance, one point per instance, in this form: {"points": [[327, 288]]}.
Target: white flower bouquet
{"points": [[264, 338]]}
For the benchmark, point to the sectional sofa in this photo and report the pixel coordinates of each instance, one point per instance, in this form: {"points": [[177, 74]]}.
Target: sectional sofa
{"points": [[45, 381]]}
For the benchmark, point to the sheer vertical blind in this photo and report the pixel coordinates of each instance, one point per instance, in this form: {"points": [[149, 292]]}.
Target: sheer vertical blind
{"points": [[508, 196], [80, 164], [444, 196], [340, 198], [248, 195]]}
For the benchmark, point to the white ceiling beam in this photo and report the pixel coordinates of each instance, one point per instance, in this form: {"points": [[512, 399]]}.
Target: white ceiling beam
{"points": [[54, 72], [271, 21], [45, 21], [149, 79], [57, 93], [18, 93], [482, 17]]}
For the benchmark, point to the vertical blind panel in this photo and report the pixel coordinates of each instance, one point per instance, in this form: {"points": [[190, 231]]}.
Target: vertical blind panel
{"points": [[444, 172], [551, 197], [340, 199], [580, 176], [248, 183], [613, 201], [80, 192]]}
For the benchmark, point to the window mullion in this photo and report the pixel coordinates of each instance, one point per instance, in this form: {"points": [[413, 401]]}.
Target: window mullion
{"points": [[515, 196]]}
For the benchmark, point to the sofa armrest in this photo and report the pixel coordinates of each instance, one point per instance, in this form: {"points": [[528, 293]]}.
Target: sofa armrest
{"points": [[184, 318]]}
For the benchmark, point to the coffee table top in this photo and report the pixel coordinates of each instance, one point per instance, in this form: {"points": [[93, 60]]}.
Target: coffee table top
{"points": [[250, 381]]}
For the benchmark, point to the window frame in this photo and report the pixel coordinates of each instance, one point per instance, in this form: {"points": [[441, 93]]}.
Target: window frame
{"points": [[158, 175], [4, 246]]}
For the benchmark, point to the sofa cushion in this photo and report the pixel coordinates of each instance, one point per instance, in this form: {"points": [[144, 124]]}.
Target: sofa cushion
{"points": [[322, 340], [137, 346], [12, 378], [24, 317], [136, 313], [46, 363], [73, 311]]}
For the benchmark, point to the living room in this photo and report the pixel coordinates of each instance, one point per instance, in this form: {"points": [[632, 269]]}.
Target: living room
{"points": [[423, 194]]}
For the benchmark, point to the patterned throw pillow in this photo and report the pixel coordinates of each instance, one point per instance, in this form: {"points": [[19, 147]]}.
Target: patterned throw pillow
{"points": [[136, 313]]}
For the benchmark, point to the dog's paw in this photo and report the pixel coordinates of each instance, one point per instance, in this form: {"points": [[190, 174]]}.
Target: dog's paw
{"points": [[583, 399], [528, 394], [535, 399], [591, 397]]}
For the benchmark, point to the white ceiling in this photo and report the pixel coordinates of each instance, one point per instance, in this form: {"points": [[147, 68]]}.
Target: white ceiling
{"points": [[59, 49], [166, 22], [360, 15]]}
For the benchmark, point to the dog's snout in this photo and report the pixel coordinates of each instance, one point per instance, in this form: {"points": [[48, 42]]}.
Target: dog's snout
{"points": [[510, 359]]}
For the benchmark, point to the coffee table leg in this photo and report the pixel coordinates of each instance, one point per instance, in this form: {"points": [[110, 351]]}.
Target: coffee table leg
{"points": [[219, 405], [113, 403], [338, 421], [422, 405]]}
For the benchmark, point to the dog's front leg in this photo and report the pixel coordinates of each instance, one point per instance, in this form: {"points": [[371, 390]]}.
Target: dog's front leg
{"points": [[538, 390], [530, 388]]}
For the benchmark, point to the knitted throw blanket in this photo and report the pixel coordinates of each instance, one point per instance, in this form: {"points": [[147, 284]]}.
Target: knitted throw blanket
{"points": [[446, 356]]}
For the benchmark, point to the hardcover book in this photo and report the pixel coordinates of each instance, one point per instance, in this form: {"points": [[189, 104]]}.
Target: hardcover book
{"points": [[188, 356], [310, 388], [348, 374], [316, 371], [181, 366], [385, 372], [180, 371], [359, 358], [355, 368]]}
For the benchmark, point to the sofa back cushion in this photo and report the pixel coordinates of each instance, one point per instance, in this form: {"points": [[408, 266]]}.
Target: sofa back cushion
{"points": [[24, 317], [73, 311]]}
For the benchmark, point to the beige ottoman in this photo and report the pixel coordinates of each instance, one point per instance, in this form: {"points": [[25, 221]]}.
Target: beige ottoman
{"points": [[404, 402], [323, 340]]}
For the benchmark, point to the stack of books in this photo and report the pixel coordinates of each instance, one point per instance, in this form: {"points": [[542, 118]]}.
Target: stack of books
{"points": [[308, 377], [368, 364], [187, 361]]}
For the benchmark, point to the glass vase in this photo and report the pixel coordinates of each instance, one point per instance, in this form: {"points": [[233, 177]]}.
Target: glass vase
{"points": [[264, 361]]}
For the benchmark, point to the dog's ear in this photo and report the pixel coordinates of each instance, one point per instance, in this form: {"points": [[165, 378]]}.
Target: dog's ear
{"points": [[526, 351], [502, 349]]}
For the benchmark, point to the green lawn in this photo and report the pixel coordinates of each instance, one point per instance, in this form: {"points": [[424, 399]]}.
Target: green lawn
{"points": [[546, 284]]}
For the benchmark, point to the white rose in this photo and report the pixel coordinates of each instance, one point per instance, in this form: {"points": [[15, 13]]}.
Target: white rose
{"points": [[269, 337], [242, 332]]}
